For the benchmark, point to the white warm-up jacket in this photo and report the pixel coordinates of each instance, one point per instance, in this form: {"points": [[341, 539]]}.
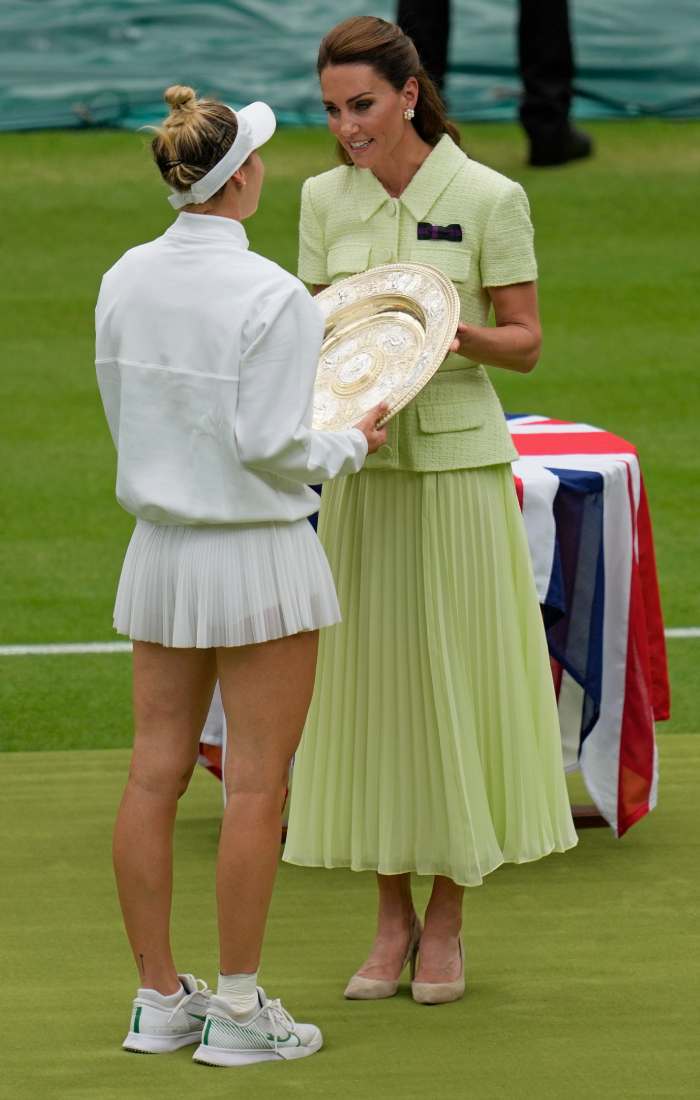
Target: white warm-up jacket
{"points": [[206, 358]]}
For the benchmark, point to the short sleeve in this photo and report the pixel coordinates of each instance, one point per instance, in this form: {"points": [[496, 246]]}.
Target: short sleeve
{"points": [[312, 253], [507, 248]]}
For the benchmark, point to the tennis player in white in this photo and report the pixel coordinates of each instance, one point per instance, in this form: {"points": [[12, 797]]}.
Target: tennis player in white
{"points": [[206, 357]]}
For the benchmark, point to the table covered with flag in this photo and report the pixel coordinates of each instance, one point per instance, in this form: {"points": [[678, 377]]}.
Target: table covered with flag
{"points": [[588, 526], [586, 515]]}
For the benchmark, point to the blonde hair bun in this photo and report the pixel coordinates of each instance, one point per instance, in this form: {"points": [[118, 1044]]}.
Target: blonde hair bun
{"points": [[180, 97], [192, 138]]}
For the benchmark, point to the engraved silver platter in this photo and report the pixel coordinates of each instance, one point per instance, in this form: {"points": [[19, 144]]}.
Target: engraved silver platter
{"points": [[387, 332]]}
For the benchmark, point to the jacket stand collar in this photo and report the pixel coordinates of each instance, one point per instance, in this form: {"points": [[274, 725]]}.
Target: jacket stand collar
{"points": [[209, 227]]}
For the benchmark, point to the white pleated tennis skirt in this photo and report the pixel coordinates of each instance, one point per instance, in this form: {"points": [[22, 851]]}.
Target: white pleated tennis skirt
{"points": [[198, 587]]}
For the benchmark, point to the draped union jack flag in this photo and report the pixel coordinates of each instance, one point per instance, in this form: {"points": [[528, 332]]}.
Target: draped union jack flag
{"points": [[587, 520]]}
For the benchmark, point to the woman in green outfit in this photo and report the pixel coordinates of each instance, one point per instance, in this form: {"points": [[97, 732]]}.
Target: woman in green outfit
{"points": [[432, 743]]}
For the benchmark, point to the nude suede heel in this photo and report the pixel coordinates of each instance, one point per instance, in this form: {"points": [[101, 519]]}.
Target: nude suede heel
{"points": [[375, 989], [440, 993]]}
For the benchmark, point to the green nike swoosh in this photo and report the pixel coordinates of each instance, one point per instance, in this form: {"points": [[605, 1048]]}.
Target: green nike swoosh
{"points": [[282, 1042], [195, 1016]]}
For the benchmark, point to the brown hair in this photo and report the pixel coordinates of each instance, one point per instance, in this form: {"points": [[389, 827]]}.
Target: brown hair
{"points": [[365, 39], [193, 138]]}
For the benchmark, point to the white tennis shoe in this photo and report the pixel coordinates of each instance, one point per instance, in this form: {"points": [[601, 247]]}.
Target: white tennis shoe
{"points": [[157, 1028], [269, 1035]]}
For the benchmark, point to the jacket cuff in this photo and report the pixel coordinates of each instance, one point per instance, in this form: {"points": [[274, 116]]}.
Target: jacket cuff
{"points": [[360, 443]]}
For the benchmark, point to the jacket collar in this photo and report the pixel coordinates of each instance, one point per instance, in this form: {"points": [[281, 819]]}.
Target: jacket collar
{"points": [[209, 227], [435, 173]]}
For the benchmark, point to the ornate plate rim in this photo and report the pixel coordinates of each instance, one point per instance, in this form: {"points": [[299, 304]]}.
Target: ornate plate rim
{"points": [[450, 323]]}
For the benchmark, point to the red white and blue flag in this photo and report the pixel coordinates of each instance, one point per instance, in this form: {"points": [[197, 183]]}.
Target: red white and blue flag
{"points": [[588, 527]]}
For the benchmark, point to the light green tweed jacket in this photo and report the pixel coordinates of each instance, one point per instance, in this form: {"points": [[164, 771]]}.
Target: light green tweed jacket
{"points": [[349, 223]]}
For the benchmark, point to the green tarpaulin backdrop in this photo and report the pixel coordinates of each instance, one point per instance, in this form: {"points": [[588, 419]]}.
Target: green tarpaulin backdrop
{"points": [[70, 62]]}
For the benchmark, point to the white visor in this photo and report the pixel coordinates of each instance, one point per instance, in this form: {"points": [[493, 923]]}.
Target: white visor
{"points": [[256, 125]]}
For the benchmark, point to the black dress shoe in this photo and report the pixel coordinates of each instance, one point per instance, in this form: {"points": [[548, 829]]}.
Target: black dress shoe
{"points": [[570, 145]]}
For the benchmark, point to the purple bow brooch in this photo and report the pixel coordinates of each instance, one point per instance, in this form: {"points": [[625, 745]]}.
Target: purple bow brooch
{"points": [[428, 232]]}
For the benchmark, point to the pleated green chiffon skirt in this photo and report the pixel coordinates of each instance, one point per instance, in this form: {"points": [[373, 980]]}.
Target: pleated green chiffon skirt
{"points": [[432, 742]]}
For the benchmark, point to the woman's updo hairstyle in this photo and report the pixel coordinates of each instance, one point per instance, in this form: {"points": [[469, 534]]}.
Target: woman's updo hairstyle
{"points": [[367, 40], [193, 138]]}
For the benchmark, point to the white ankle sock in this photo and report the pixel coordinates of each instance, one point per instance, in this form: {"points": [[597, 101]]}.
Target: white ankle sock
{"points": [[169, 1000], [239, 991]]}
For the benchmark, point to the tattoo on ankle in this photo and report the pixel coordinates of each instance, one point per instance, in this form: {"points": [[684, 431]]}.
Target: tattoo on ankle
{"points": [[142, 968]]}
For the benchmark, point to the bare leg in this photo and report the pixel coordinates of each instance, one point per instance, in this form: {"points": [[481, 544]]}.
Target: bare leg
{"points": [[439, 959], [266, 691], [172, 692], [394, 920]]}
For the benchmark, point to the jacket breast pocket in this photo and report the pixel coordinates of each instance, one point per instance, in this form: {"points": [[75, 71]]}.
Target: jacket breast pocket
{"points": [[455, 416], [453, 260], [347, 258]]}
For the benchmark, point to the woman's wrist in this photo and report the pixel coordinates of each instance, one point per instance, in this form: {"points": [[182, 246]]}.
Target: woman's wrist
{"points": [[469, 345], [512, 347], [466, 336]]}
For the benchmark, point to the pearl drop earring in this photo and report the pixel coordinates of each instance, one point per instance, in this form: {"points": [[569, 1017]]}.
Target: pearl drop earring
{"points": [[409, 113]]}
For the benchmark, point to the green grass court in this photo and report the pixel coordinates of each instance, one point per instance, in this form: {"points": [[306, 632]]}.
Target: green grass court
{"points": [[584, 967]]}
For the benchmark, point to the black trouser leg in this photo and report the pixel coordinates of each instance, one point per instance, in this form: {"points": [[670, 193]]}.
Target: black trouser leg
{"points": [[547, 70], [428, 24]]}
